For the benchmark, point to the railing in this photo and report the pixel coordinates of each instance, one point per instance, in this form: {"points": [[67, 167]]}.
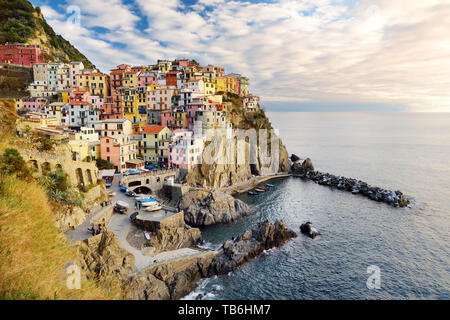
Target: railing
{"points": [[151, 173]]}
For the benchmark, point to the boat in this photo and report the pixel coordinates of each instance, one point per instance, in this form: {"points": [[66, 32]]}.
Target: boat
{"points": [[252, 193], [259, 190], [123, 188], [270, 185], [142, 197], [151, 199], [121, 207], [155, 207], [149, 204]]}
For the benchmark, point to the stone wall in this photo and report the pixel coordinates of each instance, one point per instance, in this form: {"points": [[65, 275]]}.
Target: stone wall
{"points": [[80, 173], [152, 180], [174, 221]]}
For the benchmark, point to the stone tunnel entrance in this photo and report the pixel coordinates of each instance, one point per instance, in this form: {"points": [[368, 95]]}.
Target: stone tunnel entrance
{"points": [[143, 190]]}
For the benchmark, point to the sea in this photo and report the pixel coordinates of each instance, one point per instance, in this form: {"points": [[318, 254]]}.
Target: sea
{"points": [[365, 249]]}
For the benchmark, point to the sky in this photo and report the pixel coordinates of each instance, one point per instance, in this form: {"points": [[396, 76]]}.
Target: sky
{"points": [[310, 55]]}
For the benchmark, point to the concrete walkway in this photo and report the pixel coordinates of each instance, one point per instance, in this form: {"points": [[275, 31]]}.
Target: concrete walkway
{"points": [[120, 225], [81, 232]]}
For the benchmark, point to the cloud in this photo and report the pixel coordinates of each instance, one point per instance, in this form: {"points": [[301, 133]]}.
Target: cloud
{"points": [[391, 52]]}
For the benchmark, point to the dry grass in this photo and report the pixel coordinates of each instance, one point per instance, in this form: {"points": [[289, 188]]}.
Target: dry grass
{"points": [[34, 252]]}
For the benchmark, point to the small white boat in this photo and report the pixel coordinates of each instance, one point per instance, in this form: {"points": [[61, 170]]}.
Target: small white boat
{"points": [[142, 197], [149, 204], [153, 208]]}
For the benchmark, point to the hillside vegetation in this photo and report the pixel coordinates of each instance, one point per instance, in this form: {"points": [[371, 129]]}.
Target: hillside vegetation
{"points": [[21, 22], [33, 251]]}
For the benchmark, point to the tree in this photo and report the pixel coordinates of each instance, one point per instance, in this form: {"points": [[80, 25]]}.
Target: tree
{"points": [[104, 164], [12, 163]]}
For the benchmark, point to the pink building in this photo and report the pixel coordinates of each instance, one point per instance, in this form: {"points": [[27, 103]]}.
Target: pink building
{"points": [[146, 79], [34, 104], [118, 150], [167, 119], [79, 95], [23, 54]]}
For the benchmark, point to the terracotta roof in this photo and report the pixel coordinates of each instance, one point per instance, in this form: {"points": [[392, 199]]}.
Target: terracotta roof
{"points": [[84, 103], [152, 129]]}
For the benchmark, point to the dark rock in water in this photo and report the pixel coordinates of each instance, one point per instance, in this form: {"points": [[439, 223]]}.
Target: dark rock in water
{"points": [[294, 158], [307, 165], [306, 228], [302, 168], [199, 297], [249, 245]]}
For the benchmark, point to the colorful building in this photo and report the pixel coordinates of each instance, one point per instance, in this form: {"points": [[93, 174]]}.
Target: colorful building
{"points": [[118, 150], [154, 144], [185, 150], [23, 54]]}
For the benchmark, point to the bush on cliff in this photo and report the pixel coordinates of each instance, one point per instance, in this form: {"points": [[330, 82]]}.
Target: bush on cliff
{"points": [[12, 163]]}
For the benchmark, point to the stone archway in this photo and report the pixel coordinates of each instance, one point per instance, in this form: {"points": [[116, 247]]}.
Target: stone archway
{"points": [[134, 183], [80, 179], [33, 164], [89, 176], [45, 167], [143, 190], [58, 166]]}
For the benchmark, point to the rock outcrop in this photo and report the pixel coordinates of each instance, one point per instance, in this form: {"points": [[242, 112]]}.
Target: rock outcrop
{"points": [[175, 279], [303, 167], [236, 159], [170, 280], [306, 228], [166, 239], [104, 260], [204, 208], [306, 170], [249, 245]]}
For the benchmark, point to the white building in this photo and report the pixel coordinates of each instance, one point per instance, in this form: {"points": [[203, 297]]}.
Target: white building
{"points": [[186, 149]]}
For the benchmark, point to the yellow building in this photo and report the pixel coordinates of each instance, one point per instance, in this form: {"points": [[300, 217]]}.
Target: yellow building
{"points": [[99, 84], [152, 147], [63, 96], [85, 144], [220, 84], [18, 104], [134, 110], [130, 79], [164, 65]]}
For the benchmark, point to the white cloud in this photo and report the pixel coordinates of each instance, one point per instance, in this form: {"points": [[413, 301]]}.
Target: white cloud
{"points": [[379, 51]]}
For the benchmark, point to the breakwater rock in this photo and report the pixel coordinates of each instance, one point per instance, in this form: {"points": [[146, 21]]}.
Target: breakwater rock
{"points": [[306, 170], [249, 245], [204, 208], [307, 228]]}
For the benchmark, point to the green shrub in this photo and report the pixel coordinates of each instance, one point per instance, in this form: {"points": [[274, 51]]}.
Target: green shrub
{"points": [[12, 163], [104, 164]]}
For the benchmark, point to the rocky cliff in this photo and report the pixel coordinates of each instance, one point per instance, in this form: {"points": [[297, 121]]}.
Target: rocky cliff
{"points": [[204, 208], [105, 261], [237, 158], [170, 280], [249, 245]]}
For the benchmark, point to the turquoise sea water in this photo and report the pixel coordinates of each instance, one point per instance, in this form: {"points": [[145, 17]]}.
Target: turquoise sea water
{"points": [[399, 151]]}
